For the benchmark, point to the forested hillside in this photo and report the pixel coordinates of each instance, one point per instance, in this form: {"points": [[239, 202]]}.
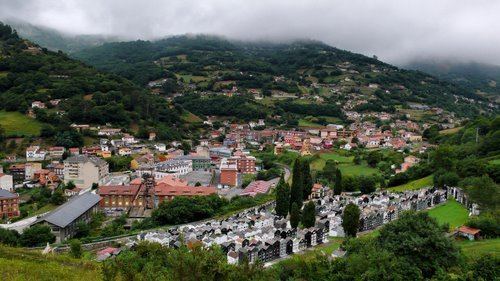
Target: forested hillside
{"points": [[483, 78], [304, 68], [72, 91]]}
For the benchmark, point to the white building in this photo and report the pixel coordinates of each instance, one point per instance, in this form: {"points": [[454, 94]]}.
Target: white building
{"points": [[34, 153], [6, 182]]}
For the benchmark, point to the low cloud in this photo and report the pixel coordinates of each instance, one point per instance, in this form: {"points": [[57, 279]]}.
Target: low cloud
{"points": [[396, 31]]}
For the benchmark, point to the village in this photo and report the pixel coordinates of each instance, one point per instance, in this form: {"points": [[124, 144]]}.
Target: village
{"points": [[222, 163]]}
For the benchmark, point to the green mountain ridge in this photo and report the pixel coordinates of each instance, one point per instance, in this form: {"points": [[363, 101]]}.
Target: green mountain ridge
{"points": [[30, 73], [205, 63], [479, 77]]}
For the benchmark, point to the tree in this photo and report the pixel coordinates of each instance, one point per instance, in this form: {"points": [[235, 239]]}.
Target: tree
{"points": [[95, 186], [57, 197], [82, 229], [296, 192], [446, 178], [350, 219], [307, 179], [282, 197], [9, 237], [294, 215], [37, 235], [486, 267], [420, 240], [76, 250], [70, 185], [337, 188], [483, 191], [329, 170], [373, 158], [350, 183], [366, 184], [309, 215], [357, 159]]}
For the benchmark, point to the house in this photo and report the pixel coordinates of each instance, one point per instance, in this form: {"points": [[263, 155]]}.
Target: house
{"points": [[160, 147], [199, 163], [17, 172], [30, 169], [172, 167], [468, 232], [38, 104], [124, 151], [9, 204], [6, 182], [56, 152], [63, 220], [109, 132], [74, 151], [107, 253], [228, 173], [34, 153], [84, 170], [129, 139], [245, 164]]}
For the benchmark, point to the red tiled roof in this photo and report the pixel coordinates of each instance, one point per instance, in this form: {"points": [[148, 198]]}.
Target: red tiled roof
{"points": [[163, 189], [256, 187], [468, 230], [118, 190]]}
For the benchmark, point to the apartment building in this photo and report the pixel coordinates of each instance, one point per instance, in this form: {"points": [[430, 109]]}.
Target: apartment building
{"points": [[84, 170]]}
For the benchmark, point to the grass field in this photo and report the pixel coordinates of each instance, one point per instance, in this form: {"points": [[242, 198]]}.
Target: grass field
{"points": [[478, 248], [346, 166], [191, 78], [306, 123], [450, 131], [495, 162], [17, 124], [190, 117], [451, 212], [413, 185], [22, 264]]}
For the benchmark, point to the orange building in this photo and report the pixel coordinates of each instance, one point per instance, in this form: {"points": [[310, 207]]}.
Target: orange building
{"points": [[137, 193], [9, 204], [229, 176]]}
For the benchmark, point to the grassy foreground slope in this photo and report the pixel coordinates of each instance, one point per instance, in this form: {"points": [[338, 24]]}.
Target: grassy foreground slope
{"points": [[21, 264], [18, 124]]}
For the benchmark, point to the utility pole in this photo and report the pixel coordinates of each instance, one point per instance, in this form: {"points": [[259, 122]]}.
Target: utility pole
{"points": [[477, 135]]}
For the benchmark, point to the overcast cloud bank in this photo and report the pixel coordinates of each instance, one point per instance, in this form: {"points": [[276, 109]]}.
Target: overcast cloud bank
{"points": [[397, 31]]}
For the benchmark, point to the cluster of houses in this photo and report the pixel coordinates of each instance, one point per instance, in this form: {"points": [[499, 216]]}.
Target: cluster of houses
{"points": [[258, 234]]}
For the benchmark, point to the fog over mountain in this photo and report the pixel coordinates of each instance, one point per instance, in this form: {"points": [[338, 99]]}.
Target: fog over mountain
{"points": [[394, 30]]}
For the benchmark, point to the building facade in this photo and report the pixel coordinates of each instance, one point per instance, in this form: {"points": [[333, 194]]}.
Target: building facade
{"points": [[9, 204], [83, 170], [63, 221]]}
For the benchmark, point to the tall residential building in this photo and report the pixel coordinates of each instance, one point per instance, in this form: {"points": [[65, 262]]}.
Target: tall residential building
{"points": [[6, 182], [9, 204], [84, 170]]}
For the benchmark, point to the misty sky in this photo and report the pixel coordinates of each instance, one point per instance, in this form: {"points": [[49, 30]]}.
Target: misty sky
{"points": [[395, 30]]}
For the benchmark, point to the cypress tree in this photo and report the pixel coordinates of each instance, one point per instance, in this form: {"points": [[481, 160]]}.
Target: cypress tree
{"points": [[350, 220], [307, 179], [282, 198], [337, 188], [294, 215], [296, 193], [309, 215]]}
